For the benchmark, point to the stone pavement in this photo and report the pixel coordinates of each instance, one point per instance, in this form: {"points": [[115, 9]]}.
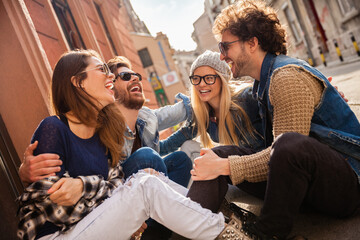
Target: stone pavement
{"points": [[346, 75]]}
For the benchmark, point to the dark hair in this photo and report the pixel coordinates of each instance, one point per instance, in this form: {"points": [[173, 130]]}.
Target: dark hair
{"points": [[67, 95], [252, 18], [117, 62]]}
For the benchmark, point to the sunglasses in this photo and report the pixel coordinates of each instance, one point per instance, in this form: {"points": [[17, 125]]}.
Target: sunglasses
{"points": [[209, 79], [103, 68], [126, 76], [224, 46]]}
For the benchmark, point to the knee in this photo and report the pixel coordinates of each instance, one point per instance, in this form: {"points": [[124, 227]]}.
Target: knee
{"points": [[148, 158], [288, 147], [289, 142], [178, 160], [185, 160], [149, 182]]}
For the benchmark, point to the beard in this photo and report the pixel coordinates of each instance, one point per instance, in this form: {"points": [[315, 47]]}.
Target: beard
{"points": [[240, 64], [129, 102]]}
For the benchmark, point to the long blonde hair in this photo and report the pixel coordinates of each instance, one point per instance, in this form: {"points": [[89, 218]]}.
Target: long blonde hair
{"points": [[226, 121]]}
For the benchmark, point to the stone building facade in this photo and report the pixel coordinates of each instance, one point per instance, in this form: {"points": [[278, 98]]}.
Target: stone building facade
{"points": [[318, 31], [315, 26]]}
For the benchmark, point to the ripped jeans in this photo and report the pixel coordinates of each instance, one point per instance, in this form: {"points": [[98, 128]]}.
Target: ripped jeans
{"points": [[143, 196]]}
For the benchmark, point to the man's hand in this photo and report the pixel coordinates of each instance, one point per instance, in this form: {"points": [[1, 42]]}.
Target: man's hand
{"points": [[66, 191], [139, 232], [209, 166], [34, 168], [340, 92]]}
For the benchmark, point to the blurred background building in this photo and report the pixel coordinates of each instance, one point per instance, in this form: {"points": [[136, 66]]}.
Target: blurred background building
{"points": [[319, 31]]}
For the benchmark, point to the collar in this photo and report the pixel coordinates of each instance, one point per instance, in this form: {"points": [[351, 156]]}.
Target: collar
{"points": [[130, 132], [260, 86]]}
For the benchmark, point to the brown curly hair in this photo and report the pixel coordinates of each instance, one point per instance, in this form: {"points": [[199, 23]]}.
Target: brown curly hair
{"points": [[253, 18]]}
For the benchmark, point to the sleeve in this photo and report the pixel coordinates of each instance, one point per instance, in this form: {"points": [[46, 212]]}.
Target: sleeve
{"points": [[173, 142], [293, 94], [96, 188], [50, 136], [172, 115]]}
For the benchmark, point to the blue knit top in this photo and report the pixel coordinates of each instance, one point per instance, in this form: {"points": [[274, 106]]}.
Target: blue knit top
{"points": [[80, 157]]}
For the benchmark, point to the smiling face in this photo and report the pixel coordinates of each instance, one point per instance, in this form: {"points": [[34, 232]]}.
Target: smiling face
{"points": [[129, 93], [237, 55], [97, 84], [208, 93]]}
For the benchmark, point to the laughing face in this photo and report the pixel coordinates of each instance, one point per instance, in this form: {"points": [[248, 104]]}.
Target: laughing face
{"points": [[97, 84], [208, 93], [236, 55], [129, 93]]}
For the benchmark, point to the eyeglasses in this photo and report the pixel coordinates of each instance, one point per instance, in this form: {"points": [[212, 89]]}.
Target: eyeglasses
{"points": [[209, 79], [224, 46], [126, 76], [103, 68]]}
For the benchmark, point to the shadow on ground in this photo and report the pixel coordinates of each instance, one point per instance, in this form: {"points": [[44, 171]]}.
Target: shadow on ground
{"points": [[309, 224]]}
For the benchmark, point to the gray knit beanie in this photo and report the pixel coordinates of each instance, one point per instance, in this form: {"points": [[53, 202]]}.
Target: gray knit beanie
{"points": [[211, 59]]}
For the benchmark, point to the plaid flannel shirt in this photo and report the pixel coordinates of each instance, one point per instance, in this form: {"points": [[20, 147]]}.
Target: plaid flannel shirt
{"points": [[36, 207]]}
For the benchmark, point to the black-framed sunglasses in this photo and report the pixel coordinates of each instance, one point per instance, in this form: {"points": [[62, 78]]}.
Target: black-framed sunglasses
{"points": [[209, 79], [103, 68], [126, 76], [224, 46]]}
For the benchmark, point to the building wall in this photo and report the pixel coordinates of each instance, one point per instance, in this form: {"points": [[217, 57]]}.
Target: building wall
{"points": [[34, 41], [122, 28], [183, 61], [203, 35], [142, 41], [337, 27], [25, 75]]}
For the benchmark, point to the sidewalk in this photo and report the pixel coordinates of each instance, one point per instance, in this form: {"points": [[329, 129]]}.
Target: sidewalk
{"points": [[346, 76], [310, 225]]}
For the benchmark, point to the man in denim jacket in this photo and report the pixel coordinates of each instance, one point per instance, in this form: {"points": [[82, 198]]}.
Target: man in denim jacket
{"points": [[312, 136]]}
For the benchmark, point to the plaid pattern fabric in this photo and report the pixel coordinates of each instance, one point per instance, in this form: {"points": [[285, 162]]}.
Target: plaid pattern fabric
{"points": [[35, 206]]}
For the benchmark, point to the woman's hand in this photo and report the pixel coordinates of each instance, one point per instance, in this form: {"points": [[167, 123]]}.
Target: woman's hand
{"points": [[66, 191]]}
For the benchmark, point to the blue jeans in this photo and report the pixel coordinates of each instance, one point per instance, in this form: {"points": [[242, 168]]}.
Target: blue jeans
{"points": [[176, 165]]}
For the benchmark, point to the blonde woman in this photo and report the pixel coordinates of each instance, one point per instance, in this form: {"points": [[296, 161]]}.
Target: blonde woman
{"points": [[221, 113]]}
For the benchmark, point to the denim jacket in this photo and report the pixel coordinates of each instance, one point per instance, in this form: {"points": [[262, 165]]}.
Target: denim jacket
{"points": [[150, 122], [333, 122], [249, 104]]}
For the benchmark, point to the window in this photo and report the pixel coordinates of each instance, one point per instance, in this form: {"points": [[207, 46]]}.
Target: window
{"points": [[346, 6], [292, 22], [105, 28], [145, 57], [68, 24]]}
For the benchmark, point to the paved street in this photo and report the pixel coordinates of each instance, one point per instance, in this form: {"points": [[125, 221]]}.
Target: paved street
{"points": [[347, 77]]}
